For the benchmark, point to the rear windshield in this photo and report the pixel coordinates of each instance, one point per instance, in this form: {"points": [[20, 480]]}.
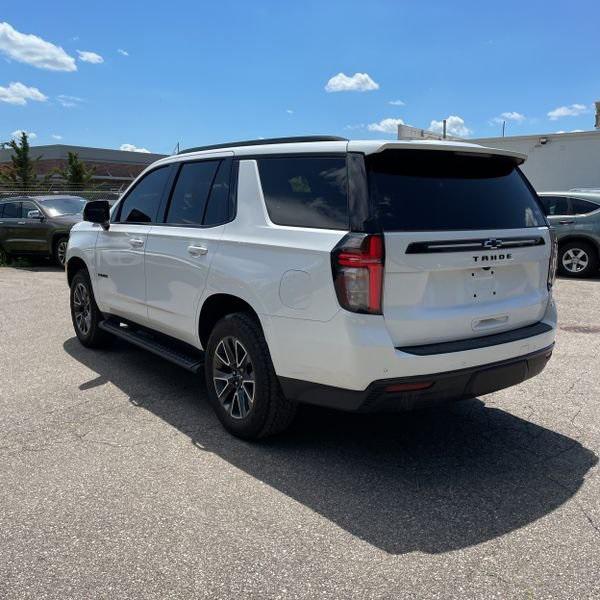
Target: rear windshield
{"points": [[428, 190]]}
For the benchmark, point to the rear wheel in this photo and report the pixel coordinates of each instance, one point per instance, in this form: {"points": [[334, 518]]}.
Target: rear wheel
{"points": [[241, 382], [577, 259], [60, 250], [85, 314]]}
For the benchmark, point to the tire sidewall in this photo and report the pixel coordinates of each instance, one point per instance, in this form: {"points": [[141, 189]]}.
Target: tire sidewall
{"points": [[251, 425]]}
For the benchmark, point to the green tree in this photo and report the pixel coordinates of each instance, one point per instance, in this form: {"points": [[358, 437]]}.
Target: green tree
{"points": [[77, 174], [22, 171]]}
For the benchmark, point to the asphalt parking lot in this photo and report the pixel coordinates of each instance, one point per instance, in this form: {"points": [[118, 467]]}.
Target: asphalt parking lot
{"points": [[117, 481]]}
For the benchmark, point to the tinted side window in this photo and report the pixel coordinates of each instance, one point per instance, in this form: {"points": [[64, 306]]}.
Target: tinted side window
{"points": [[217, 210], [11, 210], [306, 192], [191, 191], [555, 205], [582, 207], [141, 204], [26, 207]]}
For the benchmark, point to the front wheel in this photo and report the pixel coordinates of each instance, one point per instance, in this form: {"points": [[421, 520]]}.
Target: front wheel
{"points": [[241, 382], [60, 251], [85, 314], [577, 259]]}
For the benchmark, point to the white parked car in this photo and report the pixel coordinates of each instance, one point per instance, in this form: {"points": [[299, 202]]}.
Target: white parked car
{"points": [[360, 275]]}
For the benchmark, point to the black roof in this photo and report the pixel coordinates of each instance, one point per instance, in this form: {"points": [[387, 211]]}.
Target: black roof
{"points": [[262, 142]]}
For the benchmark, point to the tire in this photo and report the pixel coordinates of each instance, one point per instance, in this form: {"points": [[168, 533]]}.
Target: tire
{"points": [[577, 259], [85, 313], [245, 393], [4, 257], [59, 250]]}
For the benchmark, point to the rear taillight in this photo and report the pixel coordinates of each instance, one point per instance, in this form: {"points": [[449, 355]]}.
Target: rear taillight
{"points": [[357, 263], [553, 258]]}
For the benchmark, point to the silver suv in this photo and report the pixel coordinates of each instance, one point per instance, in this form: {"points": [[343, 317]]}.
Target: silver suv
{"points": [[575, 217]]}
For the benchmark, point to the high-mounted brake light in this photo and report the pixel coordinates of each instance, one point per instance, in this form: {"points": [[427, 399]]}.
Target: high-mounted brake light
{"points": [[357, 264]]}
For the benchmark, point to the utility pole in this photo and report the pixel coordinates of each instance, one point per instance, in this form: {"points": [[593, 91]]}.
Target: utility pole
{"points": [[503, 127], [444, 131]]}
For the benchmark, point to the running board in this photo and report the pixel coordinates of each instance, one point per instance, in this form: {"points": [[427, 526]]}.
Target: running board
{"points": [[169, 349]]}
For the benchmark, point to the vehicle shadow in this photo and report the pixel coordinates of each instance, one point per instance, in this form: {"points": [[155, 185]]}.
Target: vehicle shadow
{"points": [[429, 481], [594, 277], [35, 265]]}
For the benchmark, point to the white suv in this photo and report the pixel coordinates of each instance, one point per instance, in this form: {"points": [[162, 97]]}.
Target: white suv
{"points": [[360, 275]]}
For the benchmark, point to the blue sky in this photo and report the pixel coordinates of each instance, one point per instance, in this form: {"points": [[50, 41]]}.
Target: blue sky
{"points": [[204, 72]]}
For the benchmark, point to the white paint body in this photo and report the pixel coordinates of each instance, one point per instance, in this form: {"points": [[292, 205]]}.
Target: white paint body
{"points": [[284, 273]]}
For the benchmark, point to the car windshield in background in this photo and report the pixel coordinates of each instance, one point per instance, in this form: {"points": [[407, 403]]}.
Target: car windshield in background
{"points": [[56, 207], [433, 190]]}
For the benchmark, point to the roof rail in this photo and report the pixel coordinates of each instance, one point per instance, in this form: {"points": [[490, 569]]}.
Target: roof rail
{"points": [[263, 141]]}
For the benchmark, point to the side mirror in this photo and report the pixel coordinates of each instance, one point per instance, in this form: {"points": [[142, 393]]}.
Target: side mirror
{"points": [[97, 211], [35, 214]]}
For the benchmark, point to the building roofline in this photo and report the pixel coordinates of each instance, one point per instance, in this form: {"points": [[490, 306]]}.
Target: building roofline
{"points": [[536, 136], [87, 154]]}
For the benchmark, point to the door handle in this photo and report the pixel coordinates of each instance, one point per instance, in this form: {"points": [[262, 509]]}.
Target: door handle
{"points": [[136, 242], [197, 250], [566, 222], [21, 223]]}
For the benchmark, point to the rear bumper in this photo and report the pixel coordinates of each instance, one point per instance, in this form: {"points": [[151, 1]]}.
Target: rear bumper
{"points": [[452, 385], [351, 351]]}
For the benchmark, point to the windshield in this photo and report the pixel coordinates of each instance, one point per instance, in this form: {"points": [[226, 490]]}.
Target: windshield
{"points": [[427, 190], [55, 207]]}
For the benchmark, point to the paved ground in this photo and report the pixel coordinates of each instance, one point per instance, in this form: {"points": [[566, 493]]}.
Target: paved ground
{"points": [[116, 480]]}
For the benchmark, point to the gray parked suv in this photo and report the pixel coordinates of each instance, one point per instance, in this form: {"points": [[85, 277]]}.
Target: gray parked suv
{"points": [[38, 226], [575, 216]]}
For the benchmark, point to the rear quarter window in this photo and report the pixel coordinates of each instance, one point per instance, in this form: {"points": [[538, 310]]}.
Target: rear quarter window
{"points": [[582, 207], [306, 191], [429, 190]]}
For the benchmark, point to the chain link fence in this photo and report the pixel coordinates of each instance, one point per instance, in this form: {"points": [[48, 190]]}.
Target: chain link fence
{"points": [[112, 196]]}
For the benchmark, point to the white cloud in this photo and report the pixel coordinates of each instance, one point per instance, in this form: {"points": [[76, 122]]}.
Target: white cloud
{"points": [[386, 125], [18, 132], [396, 103], [508, 116], [576, 130], [122, 52], [90, 57], [512, 116], [18, 93], [573, 110], [68, 101], [454, 126], [56, 136], [33, 50], [132, 148], [359, 82], [289, 111]]}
